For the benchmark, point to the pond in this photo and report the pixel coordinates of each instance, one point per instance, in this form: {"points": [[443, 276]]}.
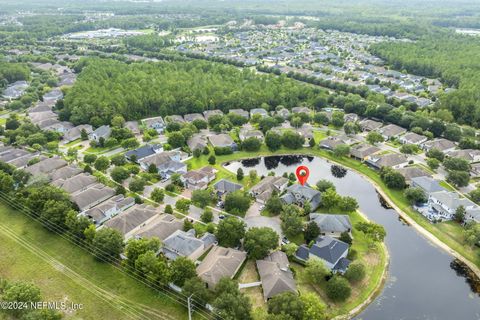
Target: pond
{"points": [[424, 282]]}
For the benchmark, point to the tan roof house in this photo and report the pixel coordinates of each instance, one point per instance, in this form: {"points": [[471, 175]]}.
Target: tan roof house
{"points": [[275, 275]]}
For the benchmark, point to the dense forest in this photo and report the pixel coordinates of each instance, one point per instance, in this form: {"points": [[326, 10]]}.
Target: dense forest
{"points": [[453, 58], [11, 72], [106, 88], [149, 42]]}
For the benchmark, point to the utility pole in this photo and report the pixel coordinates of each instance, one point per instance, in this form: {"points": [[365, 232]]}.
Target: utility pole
{"points": [[189, 307]]}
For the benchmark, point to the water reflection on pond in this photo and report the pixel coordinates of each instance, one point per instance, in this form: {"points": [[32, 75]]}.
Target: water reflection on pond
{"points": [[424, 282]]}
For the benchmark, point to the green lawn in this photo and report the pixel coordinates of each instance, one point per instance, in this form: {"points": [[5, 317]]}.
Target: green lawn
{"points": [[81, 285]]}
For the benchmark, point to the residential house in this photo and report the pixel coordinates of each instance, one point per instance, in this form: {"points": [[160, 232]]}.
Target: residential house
{"points": [[350, 117], [332, 252], [275, 275], [332, 225], [197, 141], [262, 112], [427, 184], [330, 143], [46, 166], [263, 190], [412, 172], [284, 113], [391, 160], [92, 196], [18, 158], [160, 227], [132, 126], [443, 204], [475, 170], [65, 172], [441, 144], [370, 125], [106, 210], [193, 116], [208, 113], [224, 186], [363, 151], [185, 244], [53, 95], [412, 138], [306, 131], [143, 152], [15, 90], [248, 131], [301, 110], [220, 263], [300, 195], [240, 112], [76, 133], [199, 179], [156, 123], [132, 219], [472, 215], [41, 117], [391, 131], [175, 118], [167, 163], [101, 132], [222, 140], [76, 183], [470, 155], [39, 107]]}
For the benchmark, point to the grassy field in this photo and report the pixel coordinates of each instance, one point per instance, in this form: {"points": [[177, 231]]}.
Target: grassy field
{"points": [[66, 272]]}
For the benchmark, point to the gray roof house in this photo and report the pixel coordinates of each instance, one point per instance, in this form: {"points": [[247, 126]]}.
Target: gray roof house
{"points": [[284, 113], [185, 244], [15, 90], [370, 125], [224, 186], [301, 110], [330, 143], [101, 132], [391, 131], [144, 151], [107, 209], [132, 126], [208, 113], [197, 141], [65, 172], [240, 112], [332, 252], [199, 179], [470, 155], [262, 112], [332, 225], [222, 140], [18, 158], [412, 138], [441, 144], [160, 227], [131, 219], [412, 172], [248, 132], [76, 132], [46, 166], [391, 160], [263, 190], [167, 163], [53, 95], [175, 118], [275, 275], [427, 184], [362, 151], [92, 196], [193, 116], [299, 195], [76, 183], [443, 205], [219, 263], [156, 123]]}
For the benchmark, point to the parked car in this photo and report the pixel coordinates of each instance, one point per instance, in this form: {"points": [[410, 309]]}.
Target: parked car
{"points": [[221, 217], [285, 240]]}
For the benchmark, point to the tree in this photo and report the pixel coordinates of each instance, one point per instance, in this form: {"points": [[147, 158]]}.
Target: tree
{"points": [[433, 163], [290, 249], [374, 137], [458, 178], [472, 234], [286, 303], [118, 160], [130, 143], [195, 288], [230, 231], [435, 154], [372, 231], [356, 272], [212, 160], [157, 195], [176, 139], [338, 119], [273, 140], [457, 164], [342, 150], [117, 122], [475, 195], [292, 222], [137, 247], [292, 140], [330, 199], [338, 289], [84, 135], [137, 185], [102, 163], [55, 213], [230, 303], [321, 118], [312, 231], [77, 224], [107, 244], [207, 215], [459, 215], [345, 237], [274, 205], [152, 268], [183, 205], [237, 203], [20, 292], [313, 308], [316, 271], [409, 148], [182, 269], [251, 144], [89, 158], [323, 185], [259, 241], [415, 195], [393, 179], [168, 209], [197, 153], [6, 182], [201, 198], [347, 204], [187, 225], [119, 174], [252, 174], [240, 174]]}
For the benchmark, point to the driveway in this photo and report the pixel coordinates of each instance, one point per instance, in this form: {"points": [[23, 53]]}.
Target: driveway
{"points": [[253, 219]]}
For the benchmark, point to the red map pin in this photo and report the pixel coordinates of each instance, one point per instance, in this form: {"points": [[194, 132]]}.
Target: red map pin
{"points": [[302, 174]]}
